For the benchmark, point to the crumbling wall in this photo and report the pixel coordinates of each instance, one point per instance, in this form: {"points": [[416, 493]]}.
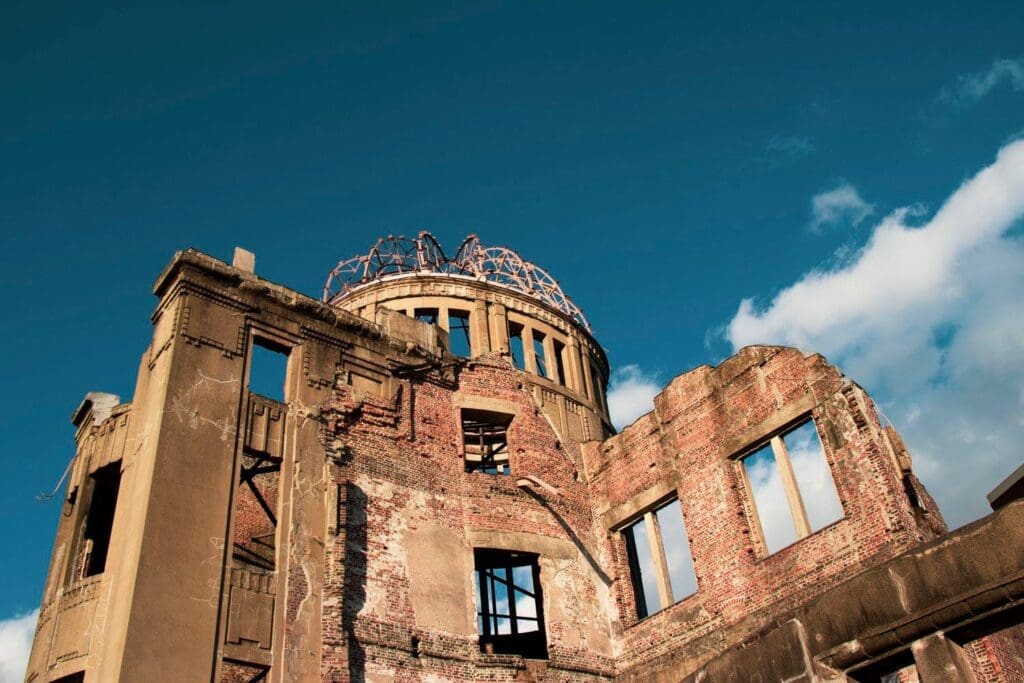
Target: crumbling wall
{"points": [[690, 446], [400, 564]]}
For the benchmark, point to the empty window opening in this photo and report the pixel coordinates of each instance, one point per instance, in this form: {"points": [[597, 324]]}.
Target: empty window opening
{"points": [[268, 370], [509, 603], [660, 564], [539, 359], [458, 333], [255, 532], [485, 441], [598, 379], [792, 487], [426, 315], [77, 677], [898, 668], [99, 521], [560, 362], [515, 345], [583, 382]]}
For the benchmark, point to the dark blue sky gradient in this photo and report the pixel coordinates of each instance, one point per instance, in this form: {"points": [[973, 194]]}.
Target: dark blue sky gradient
{"points": [[623, 148]]}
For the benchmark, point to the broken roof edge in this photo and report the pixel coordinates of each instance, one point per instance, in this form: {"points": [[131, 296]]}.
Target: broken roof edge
{"points": [[239, 277], [707, 369], [285, 296], [99, 405], [1008, 490]]}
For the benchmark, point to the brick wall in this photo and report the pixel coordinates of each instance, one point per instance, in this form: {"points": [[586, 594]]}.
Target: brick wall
{"points": [[703, 420], [399, 476]]}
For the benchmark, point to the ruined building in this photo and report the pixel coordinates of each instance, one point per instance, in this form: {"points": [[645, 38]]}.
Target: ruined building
{"points": [[416, 479]]}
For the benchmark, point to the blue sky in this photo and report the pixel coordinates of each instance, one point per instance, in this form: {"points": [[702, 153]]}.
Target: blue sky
{"points": [[662, 163]]}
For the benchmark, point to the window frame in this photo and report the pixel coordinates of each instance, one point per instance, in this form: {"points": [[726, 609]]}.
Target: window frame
{"points": [[502, 467], [790, 486], [529, 644], [662, 575]]}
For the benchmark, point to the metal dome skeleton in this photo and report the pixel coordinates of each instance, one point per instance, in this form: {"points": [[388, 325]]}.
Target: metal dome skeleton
{"points": [[394, 256]]}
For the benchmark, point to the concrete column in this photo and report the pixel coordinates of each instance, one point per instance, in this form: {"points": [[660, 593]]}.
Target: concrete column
{"points": [[940, 659], [528, 357], [796, 502], [661, 575], [573, 366], [479, 337], [550, 362], [499, 328]]}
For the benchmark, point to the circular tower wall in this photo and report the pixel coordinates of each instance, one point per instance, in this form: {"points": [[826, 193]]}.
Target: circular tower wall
{"points": [[490, 302]]}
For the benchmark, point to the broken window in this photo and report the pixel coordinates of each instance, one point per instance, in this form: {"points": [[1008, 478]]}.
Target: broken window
{"points": [[485, 441], [509, 605], [539, 359], [560, 362], [268, 369], [792, 487], [515, 345], [660, 564], [99, 521], [426, 315], [458, 333]]}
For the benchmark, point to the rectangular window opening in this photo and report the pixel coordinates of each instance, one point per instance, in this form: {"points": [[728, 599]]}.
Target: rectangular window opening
{"points": [[426, 315], [515, 345], [458, 333], [599, 386], [509, 603], [77, 677], [539, 359], [897, 668], [792, 487], [99, 521], [660, 564], [813, 475], [560, 363], [268, 370], [485, 441]]}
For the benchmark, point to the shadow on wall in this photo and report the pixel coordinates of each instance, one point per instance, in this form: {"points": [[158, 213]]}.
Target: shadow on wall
{"points": [[572, 535], [355, 578]]}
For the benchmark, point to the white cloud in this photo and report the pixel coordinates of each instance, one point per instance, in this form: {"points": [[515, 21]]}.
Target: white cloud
{"points": [[970, 88], [928, 318], [631, 393], [793, 146], [16, 636], [841, 203]]}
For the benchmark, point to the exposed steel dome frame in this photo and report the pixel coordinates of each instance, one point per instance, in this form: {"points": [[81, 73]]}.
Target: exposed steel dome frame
{"points": [[393, 256]]}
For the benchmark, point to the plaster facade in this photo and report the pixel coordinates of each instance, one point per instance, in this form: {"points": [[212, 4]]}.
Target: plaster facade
{"points": [[343, 530]]}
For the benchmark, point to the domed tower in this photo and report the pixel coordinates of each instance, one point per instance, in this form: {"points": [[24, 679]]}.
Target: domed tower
{"points": [[489, 300]]}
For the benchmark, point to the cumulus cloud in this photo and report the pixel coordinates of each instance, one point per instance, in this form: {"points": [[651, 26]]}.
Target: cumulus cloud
{"points": [[840, 204], [631, 393], [969, 88], [793, 146], [928, 318], [16, 636]]}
